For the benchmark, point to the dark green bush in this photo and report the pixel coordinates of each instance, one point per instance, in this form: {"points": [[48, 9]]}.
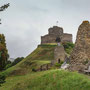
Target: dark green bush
{"points": [[17, 60], [8, 66], [59, 64], [68, 47], [34, 70], [2, 79]]}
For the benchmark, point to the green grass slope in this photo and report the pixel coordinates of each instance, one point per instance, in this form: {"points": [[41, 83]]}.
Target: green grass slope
{"points": [[48, 80], [21, 77], [43, 54]]}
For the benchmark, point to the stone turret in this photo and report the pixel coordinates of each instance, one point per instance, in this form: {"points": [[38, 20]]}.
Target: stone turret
{"points": [[80, 56], [58, 31]]}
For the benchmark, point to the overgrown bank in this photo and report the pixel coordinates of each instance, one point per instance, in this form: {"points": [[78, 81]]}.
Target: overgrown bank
{"points": [[48, 80]]}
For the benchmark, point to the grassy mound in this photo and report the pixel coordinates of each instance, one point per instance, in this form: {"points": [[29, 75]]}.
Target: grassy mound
{"points": [[48, 80], [43, 54], [21, 77]]}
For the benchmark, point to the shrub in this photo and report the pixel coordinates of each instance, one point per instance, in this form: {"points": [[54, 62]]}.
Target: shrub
{"points": [[17, 60], [68, 47], [85, 22], [2, 79], [59, 64], [34, 70], [8, 66]]}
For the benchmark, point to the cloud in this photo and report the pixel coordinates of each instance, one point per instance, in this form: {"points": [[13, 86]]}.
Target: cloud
{"points": [[25, 21]]}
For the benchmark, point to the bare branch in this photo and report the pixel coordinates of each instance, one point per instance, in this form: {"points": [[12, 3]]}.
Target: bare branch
{"points": [[2, 8]]}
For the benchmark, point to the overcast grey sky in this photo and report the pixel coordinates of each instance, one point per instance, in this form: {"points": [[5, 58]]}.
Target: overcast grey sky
{"points": [[26, 20]]}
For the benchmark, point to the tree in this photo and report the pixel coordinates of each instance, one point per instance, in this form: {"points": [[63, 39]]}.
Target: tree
{"points": [[2, 8], [17, 60], [5, 6], [8, 64], [2, 79], [3, 52]]}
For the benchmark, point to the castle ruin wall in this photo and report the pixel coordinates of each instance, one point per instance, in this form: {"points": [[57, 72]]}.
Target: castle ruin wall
{"points": [[67, 37], [48, 39]]}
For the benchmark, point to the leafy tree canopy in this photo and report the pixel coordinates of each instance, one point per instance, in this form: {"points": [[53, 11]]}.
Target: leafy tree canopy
{"points": [[3, 52]]}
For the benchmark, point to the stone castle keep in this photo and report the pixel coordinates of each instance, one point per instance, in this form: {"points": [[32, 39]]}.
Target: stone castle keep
{"points": [[54, 33]]}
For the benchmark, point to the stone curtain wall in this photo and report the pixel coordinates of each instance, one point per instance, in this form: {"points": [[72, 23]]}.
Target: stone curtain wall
{"points": [[80, 56], [67, 37], [48, 39]]}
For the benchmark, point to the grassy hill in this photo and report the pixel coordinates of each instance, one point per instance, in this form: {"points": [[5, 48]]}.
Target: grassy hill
{"points": [[48, 80], [21, 77], [43, 54]]}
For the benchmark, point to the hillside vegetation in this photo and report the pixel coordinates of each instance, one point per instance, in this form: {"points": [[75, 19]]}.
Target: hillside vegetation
{"points": [[21, 76], [43, 54], [48, 80]]}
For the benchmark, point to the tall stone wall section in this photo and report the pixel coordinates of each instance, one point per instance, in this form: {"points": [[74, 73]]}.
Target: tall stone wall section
{"points": [[67, 37], [59, 54], [80, 57]]}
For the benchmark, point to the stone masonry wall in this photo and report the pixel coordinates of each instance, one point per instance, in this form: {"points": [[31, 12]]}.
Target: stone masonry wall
{"points": [[58, 31], [67, 37], [48, 39], [59, 54], [55, 32], [80, 56]]}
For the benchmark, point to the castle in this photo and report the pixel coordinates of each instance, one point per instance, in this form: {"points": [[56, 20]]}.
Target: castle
{"points": [[54, 33]]}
